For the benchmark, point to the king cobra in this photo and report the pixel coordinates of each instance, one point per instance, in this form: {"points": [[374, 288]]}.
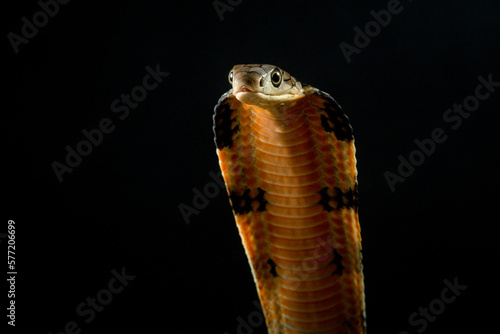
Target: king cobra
{"points": [[287, 156]]}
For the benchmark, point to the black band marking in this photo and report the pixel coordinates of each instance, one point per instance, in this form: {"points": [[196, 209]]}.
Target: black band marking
{"points": [[245, 203], [224, 126], [339, 199], [325, 198], [334, 120], [273, 267], [337, 260]]}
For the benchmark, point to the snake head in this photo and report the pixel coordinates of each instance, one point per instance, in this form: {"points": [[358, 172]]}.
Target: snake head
{"points": [[265, 86]]}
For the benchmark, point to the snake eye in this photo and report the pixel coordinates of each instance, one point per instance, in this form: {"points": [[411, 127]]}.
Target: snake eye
{"points": [[276, 77], [231, 76]]}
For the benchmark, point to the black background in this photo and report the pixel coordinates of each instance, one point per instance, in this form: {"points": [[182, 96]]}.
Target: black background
{"points": [[119, 207]]}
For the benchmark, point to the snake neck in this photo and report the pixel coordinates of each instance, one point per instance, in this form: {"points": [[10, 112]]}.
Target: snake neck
{"points": [[278, 118]]}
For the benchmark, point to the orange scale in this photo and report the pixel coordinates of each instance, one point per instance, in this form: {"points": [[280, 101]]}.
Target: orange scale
{"points": [[314, 306], [248, 172], [238, 181], [328, 161], [308, 317], [347, 216], [245, 150], [246, 141], [251, 182], [347, 283], [236, 169], [325, 149], [320, 132], [312, 327], [340, 239], [343, 252], [246, 111], [342, 178], [322, 138], [247, 160], [295, 212], [351, 299], [260, 235], [331, 181], [339, 156], [341, 165], [352, 310], [312, 115], [330, 170], [257, 221], [235, 158]]}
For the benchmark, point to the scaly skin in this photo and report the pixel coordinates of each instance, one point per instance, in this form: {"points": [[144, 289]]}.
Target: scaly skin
{"points": [[287, 156]]}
